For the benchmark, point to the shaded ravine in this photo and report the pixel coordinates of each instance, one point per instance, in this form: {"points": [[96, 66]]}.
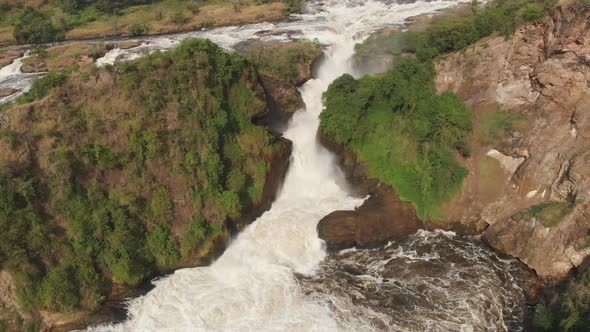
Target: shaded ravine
{"points": [[276, 275]]}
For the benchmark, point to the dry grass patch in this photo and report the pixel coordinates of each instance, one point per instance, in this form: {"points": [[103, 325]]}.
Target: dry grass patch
{"points": [[160, 18]]}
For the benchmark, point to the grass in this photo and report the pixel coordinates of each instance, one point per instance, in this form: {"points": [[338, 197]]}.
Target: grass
{"points": [[498, 123], [550, 213], [491, 174]]}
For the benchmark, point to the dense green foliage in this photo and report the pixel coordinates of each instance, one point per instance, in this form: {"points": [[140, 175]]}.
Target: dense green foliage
{"points": [[114, 188], [403, 131], [455, 31], [570, 311], [35, 27]]}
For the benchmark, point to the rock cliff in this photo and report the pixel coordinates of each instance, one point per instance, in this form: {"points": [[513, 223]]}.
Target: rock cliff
{"points": [[532, 184]]}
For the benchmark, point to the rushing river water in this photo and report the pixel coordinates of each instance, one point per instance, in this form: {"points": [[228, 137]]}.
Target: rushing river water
{"points": [[276, 274]]}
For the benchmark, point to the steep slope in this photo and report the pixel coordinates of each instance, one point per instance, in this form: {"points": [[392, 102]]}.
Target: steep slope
{"points": [[530, 182]]}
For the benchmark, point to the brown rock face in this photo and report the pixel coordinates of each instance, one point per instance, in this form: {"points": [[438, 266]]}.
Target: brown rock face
{"points": [[381, 218], [33, 64], [542, 71], [7, 57]]}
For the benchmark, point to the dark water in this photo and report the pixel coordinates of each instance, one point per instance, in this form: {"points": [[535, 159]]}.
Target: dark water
{"points": [[430, 281]]}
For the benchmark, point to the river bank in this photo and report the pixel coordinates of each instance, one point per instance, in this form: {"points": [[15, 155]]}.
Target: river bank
{"points": [[154, 19]]}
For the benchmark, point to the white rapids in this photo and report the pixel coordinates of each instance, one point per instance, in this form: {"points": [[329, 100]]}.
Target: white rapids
{"points": [[12, 77]]}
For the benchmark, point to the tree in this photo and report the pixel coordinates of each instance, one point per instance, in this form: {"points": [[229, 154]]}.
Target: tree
{"points": [[35, 27]]}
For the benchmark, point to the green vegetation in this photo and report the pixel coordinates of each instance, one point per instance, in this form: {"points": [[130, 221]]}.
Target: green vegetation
{"points": [[283, 60], [35, 27], [550, 213], [127, 171], [42, 86], [294, 6], [137, 29], [403, 131], [570, 310], [457, 30], [397, 125]]}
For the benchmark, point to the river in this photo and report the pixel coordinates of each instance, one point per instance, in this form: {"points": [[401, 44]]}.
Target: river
{"points": [[276, 274]]}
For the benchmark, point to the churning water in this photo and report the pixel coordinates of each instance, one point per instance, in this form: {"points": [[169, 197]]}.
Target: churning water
{"points": [[277, 276]]}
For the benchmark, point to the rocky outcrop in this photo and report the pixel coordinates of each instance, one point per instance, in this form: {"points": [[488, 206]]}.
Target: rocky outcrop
{"points": [[382, 217], [542, 71], [5, 92], [8, 56], [33, 64], [283, 66]]}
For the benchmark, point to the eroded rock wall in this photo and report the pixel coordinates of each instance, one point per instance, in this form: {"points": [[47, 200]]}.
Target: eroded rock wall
{"points": [[542, 70]]}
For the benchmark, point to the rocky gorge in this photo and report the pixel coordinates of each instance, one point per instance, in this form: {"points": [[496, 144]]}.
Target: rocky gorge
{"points": [[525, 191], [541, 70]]}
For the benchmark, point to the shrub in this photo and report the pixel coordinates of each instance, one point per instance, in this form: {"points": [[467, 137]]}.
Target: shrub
{"points": [[294, 6], [137, 29], [59, 290], [162, 246], [230, 203], [35, 27], [533, 12], [179, 18], [100, 155], [193, 6], [42, 86], [543, 317], [161, 205]]}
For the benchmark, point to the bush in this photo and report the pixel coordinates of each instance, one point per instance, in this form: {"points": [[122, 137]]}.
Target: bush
{"points": [[179, 18], [59, 290], [42, 86], [533, 12], [161, 244], [35, 27], [137, 29], [230, 203], [193, 6], [294, 6], [100, 155], [161, 205]]}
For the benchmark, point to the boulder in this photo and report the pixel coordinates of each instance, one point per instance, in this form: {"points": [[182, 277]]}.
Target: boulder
{"points": [[382, 217], [5, 92]]}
